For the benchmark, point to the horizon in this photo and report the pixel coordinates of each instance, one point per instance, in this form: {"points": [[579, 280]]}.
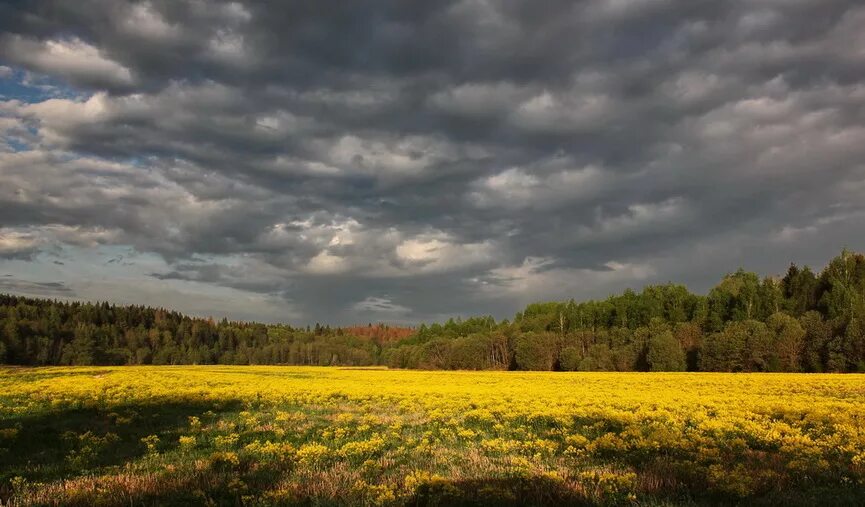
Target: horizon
{"points": [[415, 325], [408, 163], [639, 288]]}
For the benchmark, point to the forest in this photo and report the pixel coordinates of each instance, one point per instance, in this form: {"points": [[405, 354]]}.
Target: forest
{"points": [[801, 322]]}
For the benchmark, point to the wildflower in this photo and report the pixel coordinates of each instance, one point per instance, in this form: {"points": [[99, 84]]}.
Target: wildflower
{"points": [[187, 442], [150, 441]]}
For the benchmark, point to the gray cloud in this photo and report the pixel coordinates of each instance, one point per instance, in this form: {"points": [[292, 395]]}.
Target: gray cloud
{"points": [[411, 161], [9, 283]]}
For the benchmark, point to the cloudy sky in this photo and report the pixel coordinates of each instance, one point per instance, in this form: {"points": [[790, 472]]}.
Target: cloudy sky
{"points": [[398, 161]]}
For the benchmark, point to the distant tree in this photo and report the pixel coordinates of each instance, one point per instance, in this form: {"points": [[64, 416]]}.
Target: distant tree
{"points": [[81, 351], [571, 358], [788, 339], [435, 354], [663, 351], [690, 338], [815, 344], [536, 351], [842, 284], [854, 344], [800, 322], [598, 358], [736, 298], [741, 346], [12, 338], [624, 357], [142, 355], [758, 344], [799, 287], [770, 298]]}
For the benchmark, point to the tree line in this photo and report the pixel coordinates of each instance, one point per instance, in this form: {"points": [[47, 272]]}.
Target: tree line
{"points": [[802, 321]]}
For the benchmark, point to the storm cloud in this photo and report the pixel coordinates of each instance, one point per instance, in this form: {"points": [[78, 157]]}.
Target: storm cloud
{"points": [[405, 161]]}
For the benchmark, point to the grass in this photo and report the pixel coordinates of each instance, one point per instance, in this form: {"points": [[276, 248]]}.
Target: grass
{"points": [[328, 436]]}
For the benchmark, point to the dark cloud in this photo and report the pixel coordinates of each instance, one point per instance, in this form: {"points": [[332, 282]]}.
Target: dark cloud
{"points": [[414, 160]]}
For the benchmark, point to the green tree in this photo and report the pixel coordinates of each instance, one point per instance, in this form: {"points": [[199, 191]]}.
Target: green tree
{"points": [[854, 344], [770, 298], [598, 358], [741, 346], [82, 348], [758, 344], [571, 358], [435, 354], [536, 351], [788, 339], [690, 338], [663, 352], [11, 337], [799, 288], [815, 344], [736, 298], [843, 286]]}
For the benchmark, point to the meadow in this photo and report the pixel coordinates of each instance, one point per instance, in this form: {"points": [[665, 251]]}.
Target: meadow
{"points": [[265, 435]]}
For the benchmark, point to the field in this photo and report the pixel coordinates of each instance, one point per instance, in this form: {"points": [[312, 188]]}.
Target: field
{"points": [[293, 435]]}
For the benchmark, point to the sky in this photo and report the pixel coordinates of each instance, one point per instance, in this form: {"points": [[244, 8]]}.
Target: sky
{"points": [[394, 161]]}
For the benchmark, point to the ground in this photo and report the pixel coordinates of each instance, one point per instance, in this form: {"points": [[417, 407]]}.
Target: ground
{"points": [[333, 436]]}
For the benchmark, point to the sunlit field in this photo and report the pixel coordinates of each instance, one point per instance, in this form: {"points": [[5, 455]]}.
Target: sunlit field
{"points": [[288, 435]]}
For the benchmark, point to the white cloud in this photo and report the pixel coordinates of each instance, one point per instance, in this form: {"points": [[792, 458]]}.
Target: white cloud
{"points": [[538, 278], [616, 9], [562, 113], [228, 46], [24, 241], [550, 183], [236, 12], [438, 252], [380, 305], [60, 119], [325, 263], [692, 86], [638, 219], [422, 251], [71, 57], [405, 156], [478, 100], [144, 21], [14, 243]]}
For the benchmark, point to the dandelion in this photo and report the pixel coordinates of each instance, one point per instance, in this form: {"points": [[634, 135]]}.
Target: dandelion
{"points": [[187, 442]]}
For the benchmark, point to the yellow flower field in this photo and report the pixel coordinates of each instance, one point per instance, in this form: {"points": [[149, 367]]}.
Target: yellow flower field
{"points": [[286, 435]]}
